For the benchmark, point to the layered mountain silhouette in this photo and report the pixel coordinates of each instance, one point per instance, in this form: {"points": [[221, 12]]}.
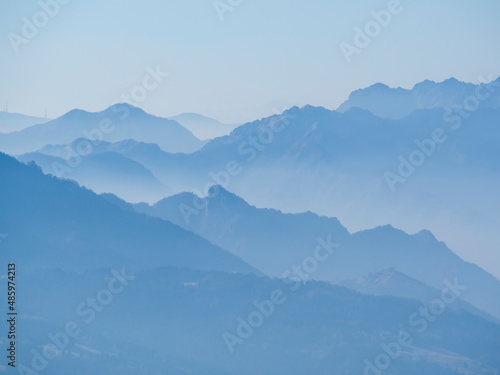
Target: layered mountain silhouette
{"points": [[118, 122], [335, 164], [397, 103], [52, 223], [100, 169], [66, 239], [189, 222], [273, 242]]}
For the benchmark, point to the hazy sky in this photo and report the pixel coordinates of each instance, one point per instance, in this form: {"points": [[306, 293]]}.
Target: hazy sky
{"points": [[265, 55]]}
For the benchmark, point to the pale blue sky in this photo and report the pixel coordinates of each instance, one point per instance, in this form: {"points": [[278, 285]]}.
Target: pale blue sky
{"points": [[265, 55]]}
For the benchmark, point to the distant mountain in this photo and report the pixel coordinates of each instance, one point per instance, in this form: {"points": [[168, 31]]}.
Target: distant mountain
{"points": [[102, 172], [203, 127], [396, 103], [390, 282], [11, 122], [273, 242], [118, 122], [165, 166], [53, 223], [185, 316], [268, 238]]}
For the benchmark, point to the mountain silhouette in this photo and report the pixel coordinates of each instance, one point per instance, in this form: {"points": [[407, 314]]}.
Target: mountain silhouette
{"points": [[397, 103], [101, 169], [53, 223], [118, 122], [273, 242]]}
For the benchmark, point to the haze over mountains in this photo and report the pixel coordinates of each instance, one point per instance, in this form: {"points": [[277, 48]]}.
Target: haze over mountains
{"points": [[336, 164], [58, 224], [341, 160], [70, 239], [102, 169], [209, 229]]}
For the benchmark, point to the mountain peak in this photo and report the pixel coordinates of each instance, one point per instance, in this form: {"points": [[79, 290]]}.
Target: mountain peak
{"points": [[116, 123], [424, 85], [452, 80], [220, 194], [378, 86], [113, 109], [425, 235], [116, 108], [74, 113], [309, 107]]}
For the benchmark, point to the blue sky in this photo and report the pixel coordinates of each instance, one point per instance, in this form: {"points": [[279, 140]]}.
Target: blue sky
{"points": [[264, 56]]}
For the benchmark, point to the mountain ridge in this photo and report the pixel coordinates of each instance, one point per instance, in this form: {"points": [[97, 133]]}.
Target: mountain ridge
{"points": [[54, 223], [398, 102], [115, 123], [230, 222]]}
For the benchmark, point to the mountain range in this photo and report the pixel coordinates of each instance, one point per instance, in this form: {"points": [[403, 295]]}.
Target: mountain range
{"points": [[274, 242], [249, 253], [335, 164], [396, 103], [342, 161], [53, 223], [118, 122]]}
